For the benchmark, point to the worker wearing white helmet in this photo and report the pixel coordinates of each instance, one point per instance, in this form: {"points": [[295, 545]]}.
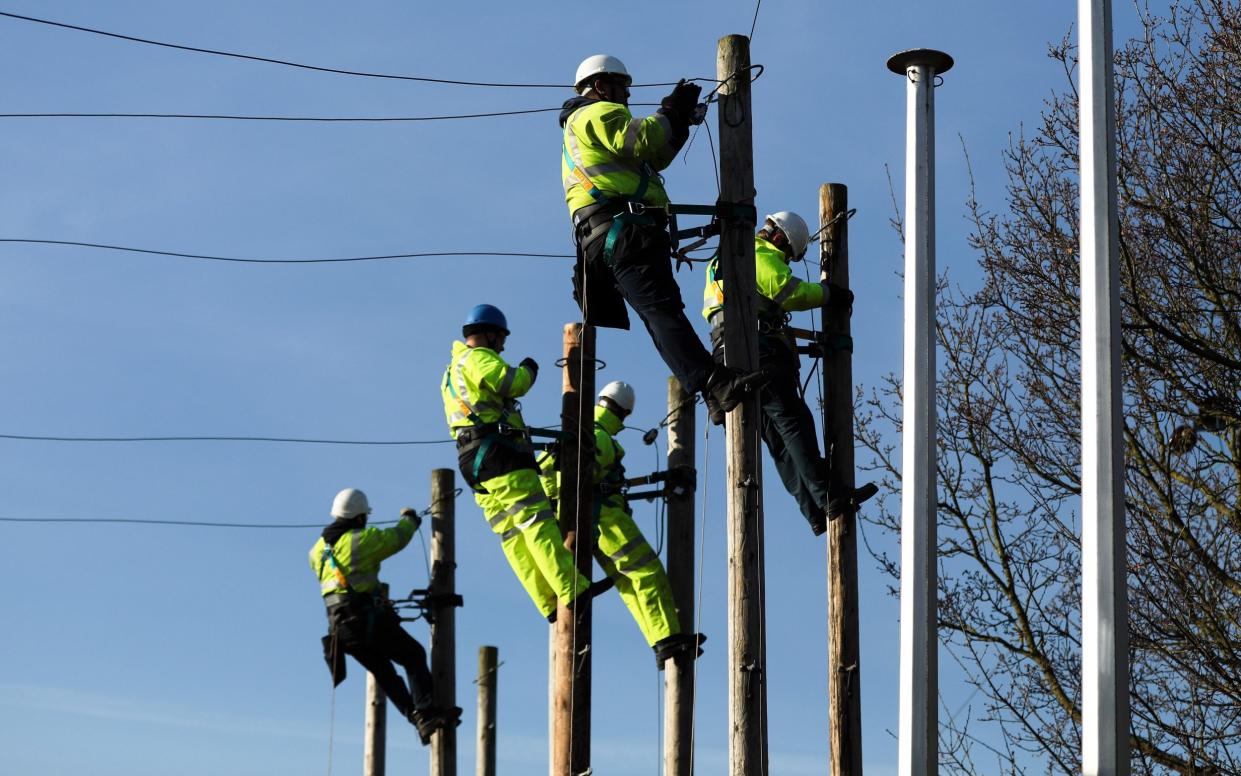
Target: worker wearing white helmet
{"points": [[621, 550], [361, 622], [787, 425], [609, 166]]}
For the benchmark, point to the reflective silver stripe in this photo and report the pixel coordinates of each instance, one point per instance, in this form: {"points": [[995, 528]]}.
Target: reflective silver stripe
{"points": [[528, 501], [457, 418], [630, 146], [605, 168], [629, 546], [328, 585], [645, 560], [507, 383], [546, 514], [539, 517], [494, 521], [786, 291]]}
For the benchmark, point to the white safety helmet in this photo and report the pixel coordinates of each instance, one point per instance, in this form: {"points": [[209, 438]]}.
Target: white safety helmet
{"points": [[350, 502], [598, 64], [620, 393], [794, 228]]}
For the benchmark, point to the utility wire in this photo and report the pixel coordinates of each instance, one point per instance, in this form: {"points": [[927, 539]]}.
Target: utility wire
{"points": [[235, 259], [320, 119], [291, 440], [754, 23], [195, 523], [300, 65]]}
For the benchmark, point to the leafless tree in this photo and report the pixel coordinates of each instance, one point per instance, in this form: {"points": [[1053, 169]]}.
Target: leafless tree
{"points": [[1009, 407]]}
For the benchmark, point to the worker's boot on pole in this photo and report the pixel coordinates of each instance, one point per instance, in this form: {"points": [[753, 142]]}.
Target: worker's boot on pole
{"points": [[839, 506], [678, 644], [429, 719], [726, 388]]}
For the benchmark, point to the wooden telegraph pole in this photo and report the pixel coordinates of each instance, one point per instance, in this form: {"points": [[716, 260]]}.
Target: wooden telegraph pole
{"points": [[487, 667], [679, 672], [375, 746], [443, 618], [747, 746], [844, 690], [571, 708]]}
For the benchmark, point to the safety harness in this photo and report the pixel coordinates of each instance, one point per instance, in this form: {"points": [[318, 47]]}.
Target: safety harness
{"points": [[481, 435], [623, 209]]}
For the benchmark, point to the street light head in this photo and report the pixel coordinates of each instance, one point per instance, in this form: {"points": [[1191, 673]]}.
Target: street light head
{"points": [[938, 61]]}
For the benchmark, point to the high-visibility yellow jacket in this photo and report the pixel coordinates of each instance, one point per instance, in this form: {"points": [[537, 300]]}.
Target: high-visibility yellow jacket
{"points": [[606, 148], [351, 564], [480, 387], [779, 290], [609, 469]]}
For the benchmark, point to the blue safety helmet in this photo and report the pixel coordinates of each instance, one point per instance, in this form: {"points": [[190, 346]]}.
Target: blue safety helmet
{"points": [[483, 317]]}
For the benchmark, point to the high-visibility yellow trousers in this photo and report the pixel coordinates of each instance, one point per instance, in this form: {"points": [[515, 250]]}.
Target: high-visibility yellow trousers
{"points": [[624, 555], [517, 510]]}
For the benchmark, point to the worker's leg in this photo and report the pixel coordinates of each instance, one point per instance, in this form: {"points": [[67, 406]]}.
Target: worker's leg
{"points": [[521, 561], [527, 526], [376, 661], [643, 271], [639, 575], [789, 431], [392, 642]]}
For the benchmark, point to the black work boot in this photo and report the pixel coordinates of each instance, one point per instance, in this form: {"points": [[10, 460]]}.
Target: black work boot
{"points": [[678, 644], [432, 718], [839, 506], [726, 388]]}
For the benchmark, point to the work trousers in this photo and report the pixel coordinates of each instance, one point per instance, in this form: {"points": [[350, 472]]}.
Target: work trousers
{"points": [[788, 428], [642, 268], [374, 637], [517, 510], [624, 555]]}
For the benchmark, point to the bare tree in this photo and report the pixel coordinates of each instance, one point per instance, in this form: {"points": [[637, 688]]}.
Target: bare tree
{"points": [[1009, 407]]}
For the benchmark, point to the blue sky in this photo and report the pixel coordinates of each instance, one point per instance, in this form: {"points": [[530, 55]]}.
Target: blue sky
{"points": [[195, 650]]}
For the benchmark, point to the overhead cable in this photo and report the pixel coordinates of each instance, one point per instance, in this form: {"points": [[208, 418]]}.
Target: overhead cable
{"points": [[235, 259], [198, 523], [321, 119], [289, 440], [300, 65]]}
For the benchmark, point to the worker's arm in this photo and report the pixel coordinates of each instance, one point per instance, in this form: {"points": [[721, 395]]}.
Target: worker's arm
{"points": [[777, 282], [374, 544], [605, 453], [647, 139], [508, 382]]}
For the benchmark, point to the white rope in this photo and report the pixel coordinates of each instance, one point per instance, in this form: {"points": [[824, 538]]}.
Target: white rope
{"points": [[702, 531]]}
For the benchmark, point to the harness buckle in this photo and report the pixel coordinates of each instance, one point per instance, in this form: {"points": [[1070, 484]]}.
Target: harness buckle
{"points": [[635, 208]]}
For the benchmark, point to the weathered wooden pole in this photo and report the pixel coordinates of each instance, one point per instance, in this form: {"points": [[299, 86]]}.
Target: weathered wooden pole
{"points": [[747, 746], [679, 672], [374, 747], [844, 691], [571, 721], [1105, 617], [444, 616], [488, 664]]}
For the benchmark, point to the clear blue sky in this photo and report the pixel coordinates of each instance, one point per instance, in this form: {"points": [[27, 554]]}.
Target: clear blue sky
{"points": [[152, 650]]}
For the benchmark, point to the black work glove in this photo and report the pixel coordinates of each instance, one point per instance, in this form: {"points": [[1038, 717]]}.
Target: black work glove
{"points": [[837, 297], [532, 365], [678, 106], [413, 516]]}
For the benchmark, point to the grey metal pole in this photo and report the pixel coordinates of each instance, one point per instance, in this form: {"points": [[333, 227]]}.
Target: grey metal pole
{"points": [[917, 745], [1105, 628]]}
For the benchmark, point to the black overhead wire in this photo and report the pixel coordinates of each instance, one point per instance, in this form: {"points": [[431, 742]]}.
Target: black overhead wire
{"points": [[291, 119], [239, 260], [288, 440], [303, 66], [195, 523]]}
